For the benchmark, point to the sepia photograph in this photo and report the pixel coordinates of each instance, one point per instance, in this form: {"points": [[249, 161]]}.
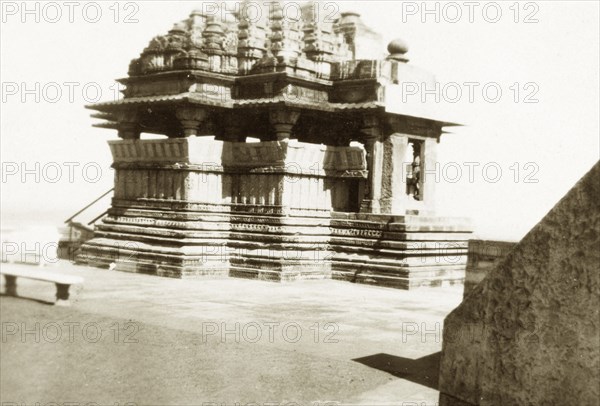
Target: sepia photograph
{"points": [[300, 203]]}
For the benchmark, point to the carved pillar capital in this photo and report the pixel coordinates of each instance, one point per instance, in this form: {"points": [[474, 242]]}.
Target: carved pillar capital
{"points": [[283, 120], [190, 118], [128, 124]]}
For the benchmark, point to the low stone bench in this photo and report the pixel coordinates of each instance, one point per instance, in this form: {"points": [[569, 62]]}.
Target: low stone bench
{"points": [[62, 282]]}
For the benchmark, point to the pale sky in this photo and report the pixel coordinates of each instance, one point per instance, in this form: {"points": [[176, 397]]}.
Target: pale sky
{"points": [[554, 61]]}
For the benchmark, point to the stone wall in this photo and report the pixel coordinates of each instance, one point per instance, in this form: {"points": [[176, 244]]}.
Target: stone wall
{"points": [[529, 333]]}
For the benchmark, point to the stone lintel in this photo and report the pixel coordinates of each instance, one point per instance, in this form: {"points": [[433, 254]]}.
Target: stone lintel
{"points": [[173, 82]]}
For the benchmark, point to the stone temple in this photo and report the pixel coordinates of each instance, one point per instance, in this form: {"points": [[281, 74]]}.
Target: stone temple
{"points": [[286, 154]]}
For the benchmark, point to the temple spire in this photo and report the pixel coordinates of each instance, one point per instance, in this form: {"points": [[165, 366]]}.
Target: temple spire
{"points": [[251, 37], [214, 36], [285, 35]]}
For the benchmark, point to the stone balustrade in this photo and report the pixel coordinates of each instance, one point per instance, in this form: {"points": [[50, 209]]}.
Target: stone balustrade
{"points": [[293, 157]]}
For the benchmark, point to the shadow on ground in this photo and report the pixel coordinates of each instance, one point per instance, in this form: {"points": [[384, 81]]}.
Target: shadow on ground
{"points": [[424, 370], [45, 302]]}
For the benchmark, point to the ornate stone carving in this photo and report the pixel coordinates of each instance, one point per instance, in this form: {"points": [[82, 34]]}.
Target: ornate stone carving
{"points": [[197, 23], [308, 46], [285, 36], [251, 39], [320, 42]]}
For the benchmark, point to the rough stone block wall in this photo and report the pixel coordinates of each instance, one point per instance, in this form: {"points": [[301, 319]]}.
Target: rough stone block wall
{"points": [[483, 256], [529, 333]]}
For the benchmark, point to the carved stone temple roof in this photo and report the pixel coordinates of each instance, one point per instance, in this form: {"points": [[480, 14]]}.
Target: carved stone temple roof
{"points": [[255, 59], [251, 42]]}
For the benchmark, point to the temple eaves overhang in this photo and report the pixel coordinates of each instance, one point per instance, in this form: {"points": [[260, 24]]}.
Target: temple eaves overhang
{"points": [[107, 110]]}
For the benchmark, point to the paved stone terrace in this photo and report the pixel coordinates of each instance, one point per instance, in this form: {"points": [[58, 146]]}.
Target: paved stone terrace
{"points": [[161, 342]]}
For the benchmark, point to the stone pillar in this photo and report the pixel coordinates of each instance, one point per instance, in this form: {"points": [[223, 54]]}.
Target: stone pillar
{"points": [[374, 147], [233, 130], [283, 120], [393, 177], [397, 164], [190, 119], [128, 125], [428, 177], [208, 127]]}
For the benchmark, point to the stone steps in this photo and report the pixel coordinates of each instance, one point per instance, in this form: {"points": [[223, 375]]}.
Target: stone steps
{"points": [[396, 251], [277, 275]]}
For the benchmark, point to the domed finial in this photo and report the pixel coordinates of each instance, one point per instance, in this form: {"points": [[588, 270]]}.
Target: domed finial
{"points": [[179, 28], [397, 48]]}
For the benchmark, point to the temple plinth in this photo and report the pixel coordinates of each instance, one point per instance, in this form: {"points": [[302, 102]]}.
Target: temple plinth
{"points": [[330, 187]]}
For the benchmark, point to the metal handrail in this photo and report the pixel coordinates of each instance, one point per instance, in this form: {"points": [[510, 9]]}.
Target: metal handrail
{"points": [[105, 212], [86, 207]]}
